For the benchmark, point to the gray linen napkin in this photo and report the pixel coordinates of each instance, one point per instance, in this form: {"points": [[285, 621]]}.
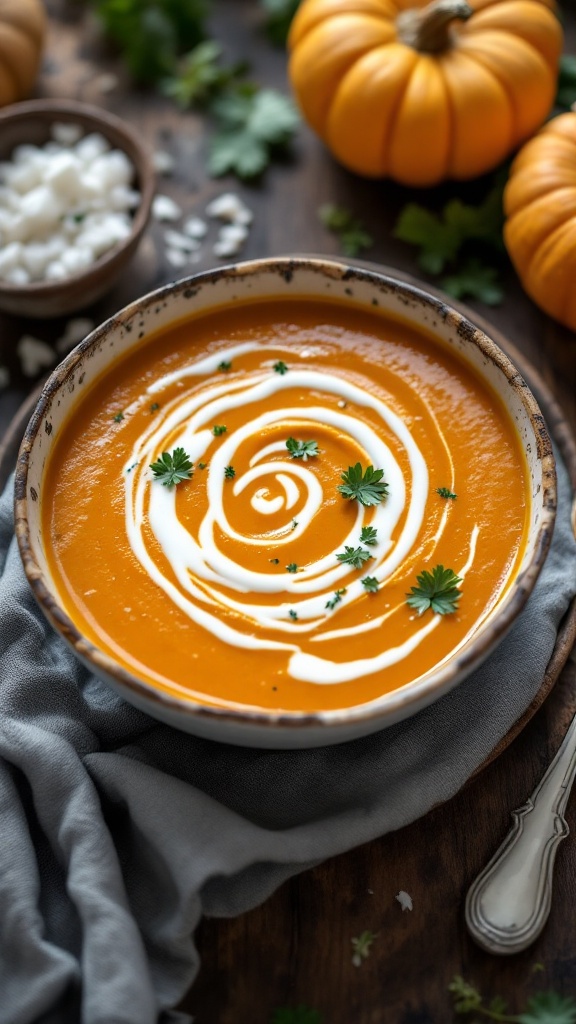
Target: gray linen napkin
{"points": [[117, 832]]}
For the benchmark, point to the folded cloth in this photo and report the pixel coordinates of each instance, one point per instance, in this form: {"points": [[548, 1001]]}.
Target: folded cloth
{"points": [[118, 832]]}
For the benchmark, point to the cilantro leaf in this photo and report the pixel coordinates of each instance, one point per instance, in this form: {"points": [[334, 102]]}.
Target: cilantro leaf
{"points": [[293, 615], [296, 1015], [229, 472], [466, 997], [225, 365], [302, 449], [354, 556], [368, 535], [566, 94], [436, 590], [280, 368], [370, 584], [351, 233], [331, 604], [475, 280], [292, 567], [549, 1008], [445, 492], [251, 125], [219, 429], [367, 486], [279, 14], [172, 469], [200, 76], [361, 946]]}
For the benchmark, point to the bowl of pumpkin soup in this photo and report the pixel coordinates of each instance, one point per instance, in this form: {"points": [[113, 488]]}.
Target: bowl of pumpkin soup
{"points": [[284, 503]]}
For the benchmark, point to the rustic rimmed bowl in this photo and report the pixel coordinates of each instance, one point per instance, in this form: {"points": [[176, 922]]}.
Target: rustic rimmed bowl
{"points": [[30, 122], [264, 278]]}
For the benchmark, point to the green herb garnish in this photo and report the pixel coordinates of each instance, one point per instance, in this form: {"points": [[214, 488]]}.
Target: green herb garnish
{"points": [[543, 1008], [354, 556], [331, 604], [294, 524], [201, 465], [293, 614], [361, 946], [218, 430], [225, 365], [366, 486], [370, 583], [199, 76], [351, 234], [251, 126], [368, 535], [302, 449], [444, 492], [118, 417], [292, 567], [280, 368], [436, 590], [172, 469], [229, 472], [154, 407]]}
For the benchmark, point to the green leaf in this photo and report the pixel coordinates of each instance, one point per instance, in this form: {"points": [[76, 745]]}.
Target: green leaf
{"points": [[229, 472], [302, 449], [370, 584], [292, 567], [172, 469], [367, 486], [466, 997], [361, 946], [280, 368], [200, 76], [445, 492], [436, 590], [219, 429], [368, 535], [549, 1008], [279, 14], [354, 556], [331, 604], [566, 94], [475, 280], [250, 127], [352, 236], [296, 1015]]}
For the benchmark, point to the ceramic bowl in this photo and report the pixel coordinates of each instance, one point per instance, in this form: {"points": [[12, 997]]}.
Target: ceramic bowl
{"points": [[282, 277], [30, 123]]}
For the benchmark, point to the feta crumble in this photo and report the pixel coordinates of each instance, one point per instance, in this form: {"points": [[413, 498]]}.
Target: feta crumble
{"points": [[404, 900], [34, 355]]}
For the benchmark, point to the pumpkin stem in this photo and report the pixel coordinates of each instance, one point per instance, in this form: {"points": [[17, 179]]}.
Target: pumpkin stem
{"points": [[428, 30]]}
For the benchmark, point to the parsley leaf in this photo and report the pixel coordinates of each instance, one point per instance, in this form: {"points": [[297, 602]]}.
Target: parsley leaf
{"points": [[351, 233], [549, 1008], [252, 124], [331, 604], [151, 33], [445, 492], [466, 997], [293, 615], [361, 946], [199, 76], [368, 535], [436, 590], [229, 472], [370, 583], [118, 417], [367, 486], [225, 365], [292, 567], [354, 556], [296, 1015], [280, 368], [302, 449], [474, 280], [279, 14], [566, 94], [172, 469], [218, 429]]}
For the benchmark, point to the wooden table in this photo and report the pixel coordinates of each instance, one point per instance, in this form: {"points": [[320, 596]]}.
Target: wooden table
{"points": [[295, 949]]}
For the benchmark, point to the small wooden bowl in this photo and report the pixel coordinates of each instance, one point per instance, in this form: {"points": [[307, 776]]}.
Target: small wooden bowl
{"points": [[30, 122]]}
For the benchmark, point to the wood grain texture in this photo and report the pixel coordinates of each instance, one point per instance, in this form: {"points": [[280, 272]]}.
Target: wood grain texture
{"points": [[296, 947]]}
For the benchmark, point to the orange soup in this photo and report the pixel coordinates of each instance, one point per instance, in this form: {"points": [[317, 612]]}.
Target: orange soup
{"points": [[244, 510]]}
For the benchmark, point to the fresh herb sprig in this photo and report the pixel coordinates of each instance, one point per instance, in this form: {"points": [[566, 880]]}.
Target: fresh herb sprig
{"points": [[543, 1008], [350, 231], [354, 556], [437, 590], [370, 584], [369, 535], [361, 946], [251, 126], [337, 597], [200, 76], [367, 486], [302, 449], [172, 469], [445, 492]]}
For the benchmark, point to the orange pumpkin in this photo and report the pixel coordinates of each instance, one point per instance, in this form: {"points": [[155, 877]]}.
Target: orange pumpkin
{"points": [[540, 206], [421, 93], [22, 34]]}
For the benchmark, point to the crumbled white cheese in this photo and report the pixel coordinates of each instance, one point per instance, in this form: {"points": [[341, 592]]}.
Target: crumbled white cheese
{"points": [[177, 240], [195, 227], [34, 355], [4, 377], [165, 208], [229, 207], [404, 900], [62, 205], [163, 162], [176, 257], [76, 329], [231, 238]]}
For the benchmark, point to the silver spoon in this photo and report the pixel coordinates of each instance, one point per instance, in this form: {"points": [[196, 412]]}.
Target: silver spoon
{"points": [[509, 902]]}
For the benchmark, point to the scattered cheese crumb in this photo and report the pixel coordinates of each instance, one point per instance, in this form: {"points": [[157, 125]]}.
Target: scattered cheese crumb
{"points": [[4, 377], [176, 257], [65, 133], [195, 227], [163, 162], [164, 208], [404, 900], [75, 330], [34, 355], [177, 240]]}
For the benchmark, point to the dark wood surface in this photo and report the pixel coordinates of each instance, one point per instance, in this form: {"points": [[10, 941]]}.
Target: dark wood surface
{"points": [[295, 949]]}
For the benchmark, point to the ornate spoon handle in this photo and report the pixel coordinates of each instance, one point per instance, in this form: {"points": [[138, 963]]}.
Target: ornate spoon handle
{"points": [[508, 904]]}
